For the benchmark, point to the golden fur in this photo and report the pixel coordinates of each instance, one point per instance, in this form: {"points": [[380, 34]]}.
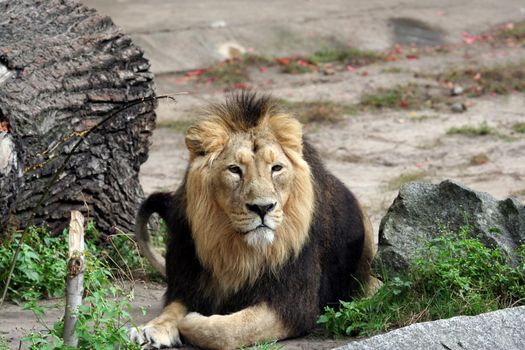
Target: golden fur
{"points": [[223, 251]]}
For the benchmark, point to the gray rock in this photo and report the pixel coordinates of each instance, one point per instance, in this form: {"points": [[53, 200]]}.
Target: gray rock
{"points": [[502, 329], [458, 107], [422, 211]]}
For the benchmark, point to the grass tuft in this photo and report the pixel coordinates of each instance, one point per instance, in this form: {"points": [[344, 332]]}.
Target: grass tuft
{"points": [[519, 128], [318, 111], [500, 80], [455, 275], [473, 131], [397, 182], [234, 71], [347, 55]]}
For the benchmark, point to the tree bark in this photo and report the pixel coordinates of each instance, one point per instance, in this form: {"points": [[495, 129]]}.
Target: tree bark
{"points": [[65, 69]]}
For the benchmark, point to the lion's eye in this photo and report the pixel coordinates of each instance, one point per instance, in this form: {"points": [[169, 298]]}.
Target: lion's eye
{"points": [[235, 169], [276, 168]]}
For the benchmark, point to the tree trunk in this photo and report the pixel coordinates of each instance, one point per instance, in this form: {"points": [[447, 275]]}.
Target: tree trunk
{"points": [[64, 68]]}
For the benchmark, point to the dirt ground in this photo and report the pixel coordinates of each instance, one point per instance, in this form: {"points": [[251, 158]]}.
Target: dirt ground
{"points": [[373, 151]]}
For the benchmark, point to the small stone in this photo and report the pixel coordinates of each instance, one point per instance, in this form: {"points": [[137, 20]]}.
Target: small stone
{"points": [[458, 107], [456, 90]]}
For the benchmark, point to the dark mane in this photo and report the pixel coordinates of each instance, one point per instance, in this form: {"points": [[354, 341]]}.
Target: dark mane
{"points": [[243, 111]]}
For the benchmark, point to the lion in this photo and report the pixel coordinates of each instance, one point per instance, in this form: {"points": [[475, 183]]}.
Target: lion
{"points": [[260, 235]]}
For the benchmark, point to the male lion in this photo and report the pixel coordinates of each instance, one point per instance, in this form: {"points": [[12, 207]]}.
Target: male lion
{"points": [[261, 235]]}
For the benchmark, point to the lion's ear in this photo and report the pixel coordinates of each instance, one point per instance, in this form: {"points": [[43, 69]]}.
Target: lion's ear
{"points": [[289, 132], [206, 137]]}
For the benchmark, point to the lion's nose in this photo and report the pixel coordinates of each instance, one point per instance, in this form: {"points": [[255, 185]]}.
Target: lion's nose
{"points": [[261, 209]]}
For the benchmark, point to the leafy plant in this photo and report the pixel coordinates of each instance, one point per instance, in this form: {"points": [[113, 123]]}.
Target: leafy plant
{"points": [[40, 268], [455, 275], [104, 313], [102, 323]]}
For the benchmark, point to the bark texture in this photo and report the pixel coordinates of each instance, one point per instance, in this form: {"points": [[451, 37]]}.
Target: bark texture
{"points": [[65, 69]]}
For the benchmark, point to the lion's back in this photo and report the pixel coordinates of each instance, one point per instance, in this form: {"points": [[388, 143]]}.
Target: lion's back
{"points": [[338, 229]]}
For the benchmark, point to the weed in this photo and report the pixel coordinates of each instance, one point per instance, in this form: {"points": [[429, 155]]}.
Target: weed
{"points": [[102, 323], [455, 275], [391, 70], [516, 32], [409, 96], [346, 55], [519, 128], [40, 269], [499, 80], [176, 125], [472, 131], [269, 345], [296, 67], [479, 159], [3, 343], [397, 182], [234, 71], [318, 111]]}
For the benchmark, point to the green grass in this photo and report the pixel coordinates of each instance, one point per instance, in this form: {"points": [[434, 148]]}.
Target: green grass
{"points": [[40, 272], [410, 176], [455, 275], [346, 55], [269, 345], [479, 159], [473, 131], [519, 128], [3, 343], [516, 33], [40, 269], [234, 71], [500, 80], [176, 125], [318, 111], [410, 96]]}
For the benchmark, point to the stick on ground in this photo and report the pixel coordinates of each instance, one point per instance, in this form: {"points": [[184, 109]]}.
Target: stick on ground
{"points": [[75, 277]]}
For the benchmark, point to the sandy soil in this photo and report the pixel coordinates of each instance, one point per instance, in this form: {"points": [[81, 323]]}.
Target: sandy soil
{"points": [[373, 150]]}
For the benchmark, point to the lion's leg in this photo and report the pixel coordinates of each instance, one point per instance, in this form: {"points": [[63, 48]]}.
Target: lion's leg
{"points": [[364, 271], [162, 331], [246, 327]]}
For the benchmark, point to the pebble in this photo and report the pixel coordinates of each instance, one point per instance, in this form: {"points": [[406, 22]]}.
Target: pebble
{"points": [[458, 107], [456, 91]]}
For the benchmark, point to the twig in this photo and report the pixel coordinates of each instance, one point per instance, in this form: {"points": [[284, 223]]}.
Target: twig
{"points": [[52, 181]]}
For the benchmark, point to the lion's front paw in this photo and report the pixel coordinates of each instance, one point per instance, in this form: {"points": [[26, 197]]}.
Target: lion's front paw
{"points": [[156, 335]]}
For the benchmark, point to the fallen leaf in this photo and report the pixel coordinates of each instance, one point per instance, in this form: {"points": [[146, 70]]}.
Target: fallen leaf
{"points": [[196, 72], [283, 60], [4, 126], [302, 62]]}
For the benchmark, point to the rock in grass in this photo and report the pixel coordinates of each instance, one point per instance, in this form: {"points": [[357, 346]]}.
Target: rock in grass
{"points": [[423, 211], [502, 329]]}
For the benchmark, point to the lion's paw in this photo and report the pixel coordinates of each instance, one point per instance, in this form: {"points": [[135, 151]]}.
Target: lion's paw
{"points": [[155, 335]]}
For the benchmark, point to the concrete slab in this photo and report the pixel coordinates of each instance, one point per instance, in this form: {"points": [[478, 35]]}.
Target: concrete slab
{"points": [[185, 34]]}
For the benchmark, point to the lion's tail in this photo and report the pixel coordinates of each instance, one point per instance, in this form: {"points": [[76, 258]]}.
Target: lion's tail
{"points": [[155, 203]]}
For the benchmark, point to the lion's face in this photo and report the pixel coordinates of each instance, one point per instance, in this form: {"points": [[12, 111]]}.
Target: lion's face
{"points": [[249, 190], [252, 179]]}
